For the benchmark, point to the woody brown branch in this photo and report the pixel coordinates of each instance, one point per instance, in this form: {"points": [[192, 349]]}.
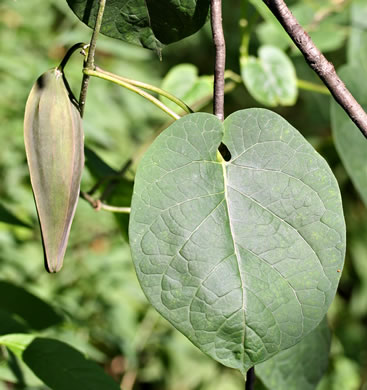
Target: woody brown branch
{"points": [[317, 61], [220, 57]]}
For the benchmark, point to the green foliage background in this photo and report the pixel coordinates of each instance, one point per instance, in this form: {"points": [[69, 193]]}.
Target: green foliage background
{"points": [[106, 314]]}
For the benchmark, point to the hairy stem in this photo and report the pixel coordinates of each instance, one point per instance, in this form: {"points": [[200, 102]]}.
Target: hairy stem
{"points": [[319, 63], [220, 56], [117, 80], [90, 58]]}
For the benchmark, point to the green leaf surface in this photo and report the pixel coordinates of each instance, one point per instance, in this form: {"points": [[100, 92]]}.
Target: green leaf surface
{"points": [[346, 375], [357, 45], [184, 82], [8, 217], [271, 78], [300, 367], [357, 48], [18, 302], [10, 324], [146, 23], [273, 34], [359, 14], [240, 256], [62, 367], [328, 34], [350, 143]]}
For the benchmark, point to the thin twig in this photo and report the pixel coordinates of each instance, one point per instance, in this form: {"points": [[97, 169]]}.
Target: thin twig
{"points": [[90, 58], [319, 63], [98, 205], [220, 57]]}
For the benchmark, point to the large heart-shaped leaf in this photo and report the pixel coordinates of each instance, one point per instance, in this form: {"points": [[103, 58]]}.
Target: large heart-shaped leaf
{"points": [[300, 367], [242, 256], [350, 143], [147, 23], [271, 78]]}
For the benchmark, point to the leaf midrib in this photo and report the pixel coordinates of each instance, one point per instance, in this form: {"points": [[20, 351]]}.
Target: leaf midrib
{"points": [[224, 164]]}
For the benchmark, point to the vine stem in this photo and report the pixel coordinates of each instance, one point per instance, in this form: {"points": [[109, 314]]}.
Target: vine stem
{"points": [[309, 86], [151, 88], [220, 56], [98, 205], [317, 61], [89, 64], [117, 80]]}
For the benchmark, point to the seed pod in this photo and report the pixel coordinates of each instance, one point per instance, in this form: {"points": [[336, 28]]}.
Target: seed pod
{"points": [[54, 138]]}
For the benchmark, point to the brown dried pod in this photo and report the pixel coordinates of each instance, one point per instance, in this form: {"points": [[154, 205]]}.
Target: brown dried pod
{"points": [[54, 141]]}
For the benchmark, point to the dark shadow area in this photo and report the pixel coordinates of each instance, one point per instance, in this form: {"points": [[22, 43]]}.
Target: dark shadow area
{"points": [[36, 313], [61, 367]]}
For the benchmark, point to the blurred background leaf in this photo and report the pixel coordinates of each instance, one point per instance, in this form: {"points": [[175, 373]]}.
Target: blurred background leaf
{"points": [[62, 367], [301, 366]]}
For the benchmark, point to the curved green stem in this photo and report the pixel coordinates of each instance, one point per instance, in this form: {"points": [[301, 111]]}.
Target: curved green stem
{"points": [[132, 88], [309, 86], [149, 87]]}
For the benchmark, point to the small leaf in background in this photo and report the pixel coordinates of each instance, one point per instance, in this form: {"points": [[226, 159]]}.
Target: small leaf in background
{"points": [[345, 375], [357, 45], [271, 78], [357, 48], [184, 82], [328, 32], [272, 34], [18, 302], [150, 24], [300, 367], [62, 367], [242, 256], [359, 14], [350, 143], [8, 217]]}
